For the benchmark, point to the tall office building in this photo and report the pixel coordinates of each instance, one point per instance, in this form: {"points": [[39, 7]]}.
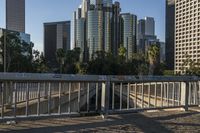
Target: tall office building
{"points": [[149, 26], [81, 36], [95, 31], [141, 36], [107, 7], [76, 15], [170, 30], [85, 8], [56, 36], [15, 15], [115, 28], [146, 34], [107, 3], [187, 33], [74, 29], [129, 24]]}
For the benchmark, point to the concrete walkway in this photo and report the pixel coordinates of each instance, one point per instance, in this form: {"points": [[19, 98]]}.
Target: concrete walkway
{"points": [[161, 121]]}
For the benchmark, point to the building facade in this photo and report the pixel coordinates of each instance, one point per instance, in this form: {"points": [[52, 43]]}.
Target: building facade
{"points": [[15, 15], [56, 36], [146, 34], [107, 25], [115, 28], [149, 26], [129, 24], [95, 31], [80, 37], [187, 33], [170, 33]]}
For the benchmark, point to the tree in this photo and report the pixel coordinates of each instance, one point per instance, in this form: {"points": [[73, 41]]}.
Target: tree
{"points": [[122, 51], [18, 53], [39, 62], [153, 56], [60, 56]]}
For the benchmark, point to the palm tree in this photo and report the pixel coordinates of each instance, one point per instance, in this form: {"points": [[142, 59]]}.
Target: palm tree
{"points": [[122, 51], [60, 56], [153, 55]]}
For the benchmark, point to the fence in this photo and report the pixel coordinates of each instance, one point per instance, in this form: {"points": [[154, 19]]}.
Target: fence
{"points": [[35, 95]]}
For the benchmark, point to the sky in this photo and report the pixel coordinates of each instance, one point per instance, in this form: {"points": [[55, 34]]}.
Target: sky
{"points": [[41, 11]]}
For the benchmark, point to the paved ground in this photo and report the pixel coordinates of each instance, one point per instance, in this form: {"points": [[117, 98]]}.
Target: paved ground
{"points": [[167, 121]]}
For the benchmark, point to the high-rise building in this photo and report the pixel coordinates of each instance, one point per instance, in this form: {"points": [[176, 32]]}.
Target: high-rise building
{"points": [[95, 31], [149, 26], [107, 3], [141, 36], [115, 28], [74, 29], [76, 15], [107, 7], [129, 24], [81, 37], [15, 15], [162, 52], [56, 36], [187, 33], [146, 34], [170, 30], [85, 8]]}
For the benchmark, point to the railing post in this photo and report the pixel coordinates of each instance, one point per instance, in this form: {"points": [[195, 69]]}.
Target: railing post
{"points": [[185, 94], [105, 97], [8, 94]]}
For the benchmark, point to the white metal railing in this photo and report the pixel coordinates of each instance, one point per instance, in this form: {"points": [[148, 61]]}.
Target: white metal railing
{"points": [[28, 95]]}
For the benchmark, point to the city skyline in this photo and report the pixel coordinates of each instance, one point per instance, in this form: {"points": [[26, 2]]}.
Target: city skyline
{"points": [[34, 26]]}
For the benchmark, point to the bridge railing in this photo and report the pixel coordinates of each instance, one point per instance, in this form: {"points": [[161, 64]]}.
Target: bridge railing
{"points": [[145, 93], [36, 95]]}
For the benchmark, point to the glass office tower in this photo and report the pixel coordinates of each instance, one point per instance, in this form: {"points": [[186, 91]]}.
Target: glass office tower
{"points": [[95, 31], [129, 22], [80, 36]]}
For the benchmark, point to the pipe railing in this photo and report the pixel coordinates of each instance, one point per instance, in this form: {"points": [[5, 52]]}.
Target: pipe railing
{"points": [[35, 95]]}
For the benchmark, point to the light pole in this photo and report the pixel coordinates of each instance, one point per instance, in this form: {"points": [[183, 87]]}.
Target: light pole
{"points": [[4, 51]]}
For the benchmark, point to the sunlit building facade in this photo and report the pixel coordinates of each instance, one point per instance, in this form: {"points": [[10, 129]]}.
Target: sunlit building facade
{"points": [[187, 33]]}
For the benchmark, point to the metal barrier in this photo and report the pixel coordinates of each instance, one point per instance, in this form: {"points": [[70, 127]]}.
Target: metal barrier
{"points": [[36, 95]]}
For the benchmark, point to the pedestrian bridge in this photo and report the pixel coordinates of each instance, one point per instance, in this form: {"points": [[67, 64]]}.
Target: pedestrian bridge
{"points": [[38, 95]]}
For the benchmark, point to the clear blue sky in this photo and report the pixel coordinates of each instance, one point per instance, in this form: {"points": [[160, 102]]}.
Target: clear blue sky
{"points": [[40, 11]]}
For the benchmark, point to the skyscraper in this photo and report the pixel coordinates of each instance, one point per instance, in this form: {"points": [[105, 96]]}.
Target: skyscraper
{"points": [[146, 34], [15, 15], [141, 36], [129, 24], [115, 28], [149, 26], [74, 29], [80, 36], [170, 30], [107, 3], [56, 36], [187, 33], [85, 8], [107, 8], [95, 31]]}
